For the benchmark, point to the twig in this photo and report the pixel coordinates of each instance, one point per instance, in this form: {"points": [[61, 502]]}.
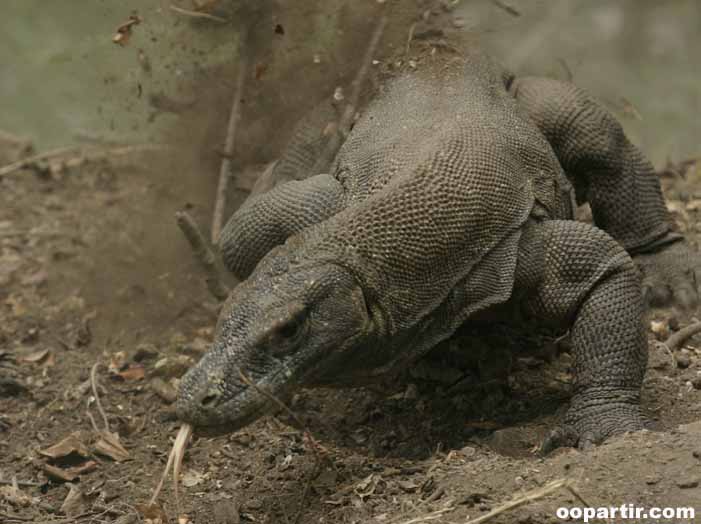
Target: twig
{"points": [[225, 170], [305, 494], [24, 483], [198, 14], [175, 459], [525, 499], [26, 162], [506, 7], [676, 340], [92, 419], [430, 516], [179, 449], [82, 152], [203, 253], [15, 518], [273, 398], [346, 121], [314, 446], [93, 384]]}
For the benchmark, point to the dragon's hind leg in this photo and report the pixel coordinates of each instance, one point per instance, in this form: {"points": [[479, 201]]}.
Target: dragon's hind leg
{"points": [[576, 276], [617, 180]]}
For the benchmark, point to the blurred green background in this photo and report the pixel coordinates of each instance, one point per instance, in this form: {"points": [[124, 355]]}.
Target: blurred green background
{"points": [[62, 79]]}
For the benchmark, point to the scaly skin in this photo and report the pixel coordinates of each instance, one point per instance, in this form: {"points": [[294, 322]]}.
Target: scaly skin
{"points": [[451, 194]]}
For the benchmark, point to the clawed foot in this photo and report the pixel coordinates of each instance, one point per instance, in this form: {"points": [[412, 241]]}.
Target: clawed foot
{"points": [[585, 429], [671, 275]]}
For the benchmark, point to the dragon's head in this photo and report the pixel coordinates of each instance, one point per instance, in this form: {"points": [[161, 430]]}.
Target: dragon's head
{"points": [[282, 327]]}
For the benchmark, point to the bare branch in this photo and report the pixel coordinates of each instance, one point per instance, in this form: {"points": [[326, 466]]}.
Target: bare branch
{"points": [[225, 170], [203, 254]]}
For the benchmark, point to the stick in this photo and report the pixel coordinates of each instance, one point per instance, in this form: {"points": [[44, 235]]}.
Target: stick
{"points": [[313, 444], [335, 141], [24, 483], [78, 151], [225, 170], [520, 501], [159, 487], [178, 455], [676, 340], [307, 487], [430, 516], [26, 162], [198, 14], [93, 384], [506, 7], [203, 254], [272, 397]]}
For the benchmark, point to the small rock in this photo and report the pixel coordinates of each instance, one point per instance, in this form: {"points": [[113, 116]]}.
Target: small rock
{"points": [[696, 382], [163, 389], [683, 360], [651, 479], [254, 504], [459, 22], [688, 483], [696, 454]]}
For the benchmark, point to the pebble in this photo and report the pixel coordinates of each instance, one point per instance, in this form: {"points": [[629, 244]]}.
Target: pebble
{"points": [[683, 360], [459, 22]]}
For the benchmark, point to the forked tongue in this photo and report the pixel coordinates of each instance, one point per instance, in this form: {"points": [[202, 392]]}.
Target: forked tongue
{"points": [[176, 460]]}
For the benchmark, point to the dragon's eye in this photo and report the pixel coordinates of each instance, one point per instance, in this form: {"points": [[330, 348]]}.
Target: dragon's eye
{"points": [[291, 329], [287, 335]]}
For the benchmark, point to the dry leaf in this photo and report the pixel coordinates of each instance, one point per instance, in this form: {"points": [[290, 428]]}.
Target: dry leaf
{"points": [[133, 372], [109, 445], [117, 362], [72, 444], [123, 32], [34, 356], [73, 503], [68, 474]]}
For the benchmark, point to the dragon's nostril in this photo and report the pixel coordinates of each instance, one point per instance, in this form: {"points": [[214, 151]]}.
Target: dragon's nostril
{"points": [[210, 399]]}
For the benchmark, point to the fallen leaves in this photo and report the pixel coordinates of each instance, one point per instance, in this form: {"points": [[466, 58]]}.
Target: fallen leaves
{"points": [[42, 356], [72, 444], [68, 474]]}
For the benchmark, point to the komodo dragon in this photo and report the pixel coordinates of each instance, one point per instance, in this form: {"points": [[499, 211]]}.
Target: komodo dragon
{"points": [[453, 193]]}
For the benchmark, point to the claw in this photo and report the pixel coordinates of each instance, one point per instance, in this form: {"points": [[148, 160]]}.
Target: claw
{"points": [[587, 441], [560, 437]]}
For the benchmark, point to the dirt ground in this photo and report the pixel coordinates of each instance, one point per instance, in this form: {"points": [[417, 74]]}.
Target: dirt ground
{"points": [[93, 270]]}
